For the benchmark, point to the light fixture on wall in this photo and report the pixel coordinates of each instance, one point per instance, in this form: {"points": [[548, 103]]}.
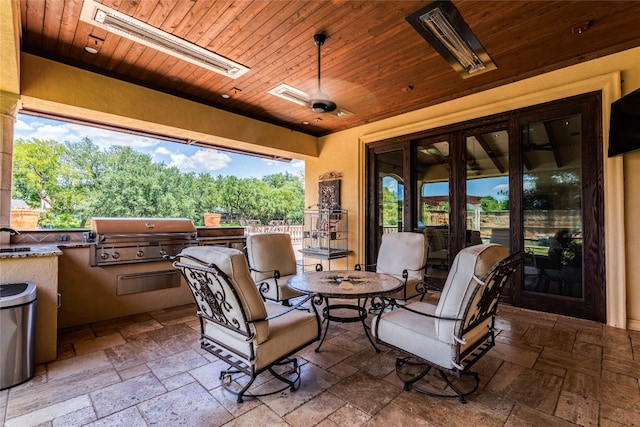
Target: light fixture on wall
{"points": [[442, 26]]}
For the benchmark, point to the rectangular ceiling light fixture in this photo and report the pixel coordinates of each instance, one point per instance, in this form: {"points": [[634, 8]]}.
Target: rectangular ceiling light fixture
{"points": [[130, 28], [442, 26], [290, 93], [300, 97]]}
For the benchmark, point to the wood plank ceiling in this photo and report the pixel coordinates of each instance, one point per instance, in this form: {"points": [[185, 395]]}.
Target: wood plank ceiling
{"points": [[374, 64]]}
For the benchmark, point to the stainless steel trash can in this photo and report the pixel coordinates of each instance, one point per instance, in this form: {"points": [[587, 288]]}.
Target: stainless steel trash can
{"points": [[17, 330]]}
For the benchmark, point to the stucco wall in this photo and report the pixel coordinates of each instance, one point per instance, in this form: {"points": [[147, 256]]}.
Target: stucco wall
{"points": [[43, 271], [54, 87], [615, 75]]}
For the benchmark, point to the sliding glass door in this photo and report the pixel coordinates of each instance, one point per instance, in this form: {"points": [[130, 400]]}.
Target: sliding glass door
{"points": [[529, 179]]}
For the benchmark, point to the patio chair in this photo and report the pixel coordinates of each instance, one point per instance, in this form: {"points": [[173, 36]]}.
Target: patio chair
{"points": [[454, 334], [272, 262], [403, 255], [238, 326]]}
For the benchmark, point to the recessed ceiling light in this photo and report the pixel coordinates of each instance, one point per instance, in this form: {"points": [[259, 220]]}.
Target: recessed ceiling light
{"points": [[225, 96], [94, 44], [305, 123]]}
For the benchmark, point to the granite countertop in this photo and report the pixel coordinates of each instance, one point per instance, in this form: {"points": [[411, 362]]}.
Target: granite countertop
{"points": [[41, 243], [37, 249]]}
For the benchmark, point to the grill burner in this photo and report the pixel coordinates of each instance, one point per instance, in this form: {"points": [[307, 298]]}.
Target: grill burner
{"points": [[135, 240]]}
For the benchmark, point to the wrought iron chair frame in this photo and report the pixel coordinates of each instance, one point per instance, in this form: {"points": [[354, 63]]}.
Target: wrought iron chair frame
{"points": [[265, 286], [198, 277], [496, 278]]}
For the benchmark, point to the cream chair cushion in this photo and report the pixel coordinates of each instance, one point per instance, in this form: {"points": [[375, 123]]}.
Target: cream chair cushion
{"points": [[233, 263], [400, 251], [271, 338], [267, 252], [431, 338]]}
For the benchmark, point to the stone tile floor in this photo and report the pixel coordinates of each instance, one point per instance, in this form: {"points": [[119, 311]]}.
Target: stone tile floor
{"points": [[148, 369]]}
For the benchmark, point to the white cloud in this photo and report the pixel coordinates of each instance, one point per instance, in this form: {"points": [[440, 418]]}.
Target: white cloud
{"points": [[21, 126], [201, 160], [162, 151], [41, 131], [501, 189], [105, 138]]}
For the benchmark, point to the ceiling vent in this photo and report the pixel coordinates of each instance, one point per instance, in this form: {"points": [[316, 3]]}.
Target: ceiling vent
{"points": [[130, 28]]}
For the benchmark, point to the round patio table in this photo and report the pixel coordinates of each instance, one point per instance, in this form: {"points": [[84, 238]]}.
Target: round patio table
{"points": [[345, 285]]}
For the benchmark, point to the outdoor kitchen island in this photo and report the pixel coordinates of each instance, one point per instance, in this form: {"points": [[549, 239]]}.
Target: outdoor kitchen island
{"points": [[122, 272]]}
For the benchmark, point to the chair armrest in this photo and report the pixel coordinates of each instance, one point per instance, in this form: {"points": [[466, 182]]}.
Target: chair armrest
{"points": [[276, 273], [317, 265], [291, 307], [433, 316]]}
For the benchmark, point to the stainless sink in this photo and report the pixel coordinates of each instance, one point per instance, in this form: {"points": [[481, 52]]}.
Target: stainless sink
{"points": [[16, 249]]}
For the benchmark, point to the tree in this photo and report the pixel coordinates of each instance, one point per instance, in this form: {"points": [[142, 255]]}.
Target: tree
{"points": [[490, 203], [36, 166], [45, 178], [389, 208], [78, 181]]}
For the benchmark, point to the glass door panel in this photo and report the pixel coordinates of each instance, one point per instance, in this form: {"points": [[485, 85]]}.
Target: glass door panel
{"points": [[390, 191], [392, 209], [431, 171], [487, 203], [552, 206]]}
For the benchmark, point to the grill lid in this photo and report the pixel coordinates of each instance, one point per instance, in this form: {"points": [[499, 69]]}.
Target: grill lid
{"points": [[103, 225]]}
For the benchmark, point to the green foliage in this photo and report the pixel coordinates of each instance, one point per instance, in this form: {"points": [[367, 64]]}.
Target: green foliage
{"points": [[389, 208], [77, 181], [490, 203]]}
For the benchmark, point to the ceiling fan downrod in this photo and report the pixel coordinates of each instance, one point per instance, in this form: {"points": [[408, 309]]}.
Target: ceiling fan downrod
{"points": [[319, 101]]}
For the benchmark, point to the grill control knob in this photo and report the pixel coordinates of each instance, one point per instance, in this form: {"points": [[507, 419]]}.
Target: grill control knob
{"points": [[115, 255], [140, 254], [104, 255]]}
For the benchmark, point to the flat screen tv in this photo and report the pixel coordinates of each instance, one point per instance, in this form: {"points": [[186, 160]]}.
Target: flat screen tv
{"points": [[624, 128]]}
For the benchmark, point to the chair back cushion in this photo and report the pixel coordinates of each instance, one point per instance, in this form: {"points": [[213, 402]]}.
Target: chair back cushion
{"points": [[400, 251], [233, 263], [270, 251], [470, 265]]}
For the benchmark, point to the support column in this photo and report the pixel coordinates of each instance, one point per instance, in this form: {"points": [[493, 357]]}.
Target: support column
{"points": [[9, 106]]}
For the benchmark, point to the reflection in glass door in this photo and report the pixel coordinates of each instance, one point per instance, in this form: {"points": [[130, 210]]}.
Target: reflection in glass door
{"points": [[431, 171], [487, 187], [390, 192], [552, 206]]}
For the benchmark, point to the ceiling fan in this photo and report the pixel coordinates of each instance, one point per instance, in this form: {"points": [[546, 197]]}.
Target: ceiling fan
{"points": [[320, 102]]}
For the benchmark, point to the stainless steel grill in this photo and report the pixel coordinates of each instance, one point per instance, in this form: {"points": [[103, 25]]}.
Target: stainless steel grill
{"points": [[135, 240]]}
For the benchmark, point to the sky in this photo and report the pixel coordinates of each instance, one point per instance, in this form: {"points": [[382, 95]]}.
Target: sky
{"points": [[495, 186], [185, 157], [202, 160]]}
